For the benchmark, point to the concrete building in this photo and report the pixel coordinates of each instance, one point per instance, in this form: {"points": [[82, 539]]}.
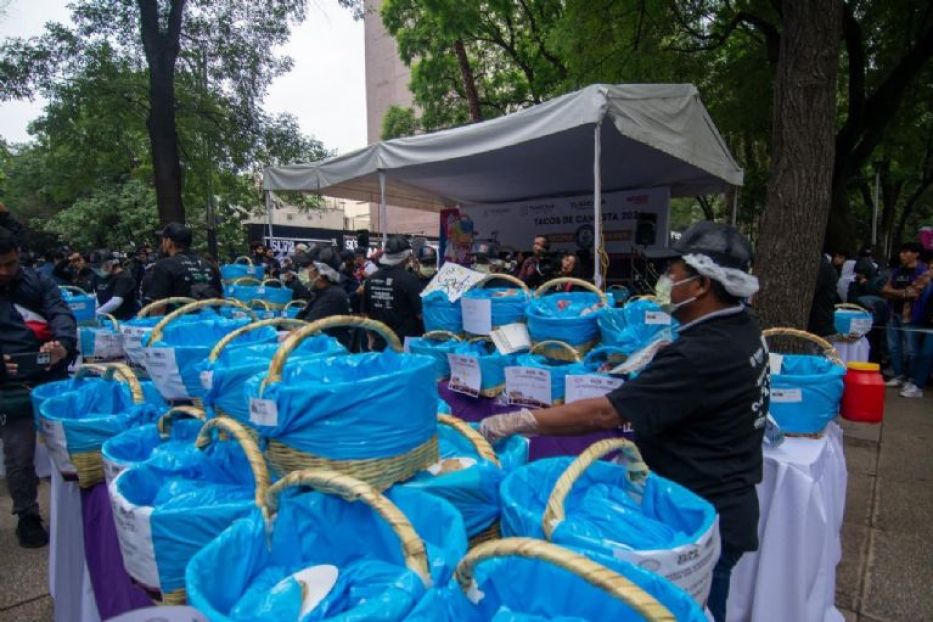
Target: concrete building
{"points": [[387, 80]]}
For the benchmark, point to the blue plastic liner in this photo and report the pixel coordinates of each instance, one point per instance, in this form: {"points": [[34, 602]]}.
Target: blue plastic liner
{"points": [[232, 578], [278, 295], [189, 501], [618, 295], [492, 364], [518, 589], [627, 329], [842, 319], [136, 332], [571, 317], [234, 271], [439, 313], [559, 371], [83, 306], [225, 379], [806, 395], [508, 303], [144, 443], [334, 407], [438, 350], [88, 342]]}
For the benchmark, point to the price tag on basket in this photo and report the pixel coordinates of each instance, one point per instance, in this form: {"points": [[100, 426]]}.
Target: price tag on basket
{"points": [[528, 386], [465, 375], [263, 412], [108, 345], [859, 326], [584, 386], [655, 318], [511, 338], [163, 369], [786, 396], [477, 315]]}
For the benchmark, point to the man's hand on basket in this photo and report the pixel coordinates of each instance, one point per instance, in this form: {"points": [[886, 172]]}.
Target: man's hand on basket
{"points": [[499, 426]]}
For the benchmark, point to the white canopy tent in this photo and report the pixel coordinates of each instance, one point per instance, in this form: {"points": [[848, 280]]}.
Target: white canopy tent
{"points": [[655, 135]]}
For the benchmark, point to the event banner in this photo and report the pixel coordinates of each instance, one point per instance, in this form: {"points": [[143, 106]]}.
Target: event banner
{"points": [[631, 219]]}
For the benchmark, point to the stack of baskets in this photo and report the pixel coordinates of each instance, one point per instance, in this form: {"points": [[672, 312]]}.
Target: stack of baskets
{"points": [[242, 267], [82, 304]]}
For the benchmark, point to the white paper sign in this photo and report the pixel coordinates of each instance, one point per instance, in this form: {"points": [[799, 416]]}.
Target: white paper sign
{"points": [[786, 396], [207, 379], [657, 318], [465, 375], [528, 386], [860, 326], [454, 280], [55, 442], [134, 533], [511, 338], [584, 386], [263, 412], [775, 362], [477, 315], [108, 345], [163, 370]]}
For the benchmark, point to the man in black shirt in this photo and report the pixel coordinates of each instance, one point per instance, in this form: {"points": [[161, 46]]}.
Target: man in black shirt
{"points": [[182, 272], [116, 292], [327, 296], [699, 408], [392, 294]]}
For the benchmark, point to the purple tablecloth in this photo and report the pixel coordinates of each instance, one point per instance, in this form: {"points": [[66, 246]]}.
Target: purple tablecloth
{"points": [[114, 591], [478, 408]]}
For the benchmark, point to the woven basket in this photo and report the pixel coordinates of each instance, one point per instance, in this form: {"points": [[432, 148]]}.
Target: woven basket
{"points": [[494, 390], [499, 276], [158, 304], [379, 472], [294, 308], [582, 348], [848, 306], [555, 351], [91, 332], [234, 271], [599, 576]]}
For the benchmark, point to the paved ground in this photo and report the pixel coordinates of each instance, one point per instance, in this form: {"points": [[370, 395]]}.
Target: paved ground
{"points": [[886, 572]]}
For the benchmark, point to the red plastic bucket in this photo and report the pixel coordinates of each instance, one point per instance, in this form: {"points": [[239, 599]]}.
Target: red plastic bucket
{"points": [[863, 397]]}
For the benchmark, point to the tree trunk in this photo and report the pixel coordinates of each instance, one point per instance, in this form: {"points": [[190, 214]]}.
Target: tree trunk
{"points": [[799, 194], [469, 82]]}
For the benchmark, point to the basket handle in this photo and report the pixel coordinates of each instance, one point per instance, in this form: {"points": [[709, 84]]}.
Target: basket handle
{"points": [[595, 574], [164, 424], [827, 349], [501, 276], [573, 281], [156, 334], [351, 489], [482, 446], [852, 307], [247, 280], [569, 350], [114, 371], [158, 304], [248, 260], [111, 319], [256, 463], [229, 337], [335, 321], [261, 303], [648, 297], [280, 284], [296, 303], [636, 467], [441, 335]]}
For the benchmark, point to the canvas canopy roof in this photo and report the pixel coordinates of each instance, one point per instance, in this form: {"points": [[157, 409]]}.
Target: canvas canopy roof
{"points": [[651, 135]]}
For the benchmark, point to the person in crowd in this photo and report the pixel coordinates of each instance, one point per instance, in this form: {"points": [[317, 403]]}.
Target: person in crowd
{"points": [[273, 267], [529, 272], [391, 294], [823, 307], [116, 292], [901, 295], [327, 296], [865, 291], [259, 254], [74, 270], [349, 282], [698, 409], [569, 266], [364, 267], [424, 265], [921, 319], [181, 272], [33, 319]]}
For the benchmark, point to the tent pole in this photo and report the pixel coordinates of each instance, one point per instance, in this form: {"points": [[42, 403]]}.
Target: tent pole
{"points": [[597, 206], [269, 212], [735, 205], [383, 215]]}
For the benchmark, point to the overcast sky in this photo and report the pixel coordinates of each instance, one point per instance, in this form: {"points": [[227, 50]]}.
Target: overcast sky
{"points": [[325, 90]]}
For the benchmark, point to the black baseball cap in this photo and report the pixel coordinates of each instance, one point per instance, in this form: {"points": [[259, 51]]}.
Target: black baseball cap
{"points": [[176, 232], [722, 243]]}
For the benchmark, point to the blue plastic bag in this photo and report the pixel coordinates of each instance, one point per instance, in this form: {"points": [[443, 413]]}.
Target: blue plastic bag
{"points": [[437, 349], [278, 295], [166, 511], [525, 586], [806, 395], [246, 573], [507, 303], [82, 304], [610, 518], [559, 371], [232, 271], [571, 317], [492, 364], [634, 326], [439, 313], [852, 323]]}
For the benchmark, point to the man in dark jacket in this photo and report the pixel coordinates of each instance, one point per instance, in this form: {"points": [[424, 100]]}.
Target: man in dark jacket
{"points": [[822, 310], [181, 272], [327, 296], [392, 294], [33, 320]]}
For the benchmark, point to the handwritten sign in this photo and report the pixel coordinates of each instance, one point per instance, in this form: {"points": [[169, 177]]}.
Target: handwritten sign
{"points": [[454, 280], [528, 386]]}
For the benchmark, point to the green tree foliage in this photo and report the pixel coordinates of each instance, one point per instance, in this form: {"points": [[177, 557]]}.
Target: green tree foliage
{"points": [[399, 121]]}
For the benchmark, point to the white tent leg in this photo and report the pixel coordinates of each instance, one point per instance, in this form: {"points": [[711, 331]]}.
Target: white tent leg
{"points": [[383, 212], [269, 212], [597, 206]]}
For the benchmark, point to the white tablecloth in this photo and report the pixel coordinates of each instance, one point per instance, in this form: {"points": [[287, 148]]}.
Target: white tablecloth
{"points": [[69, 581], [802, 496], [853, 350]]}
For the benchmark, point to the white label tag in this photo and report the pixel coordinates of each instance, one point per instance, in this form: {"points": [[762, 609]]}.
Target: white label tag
{"points": [[528, 386], [860, 326], [657, 318], [260, 291], [786, 396], [477, 315], [163, 369], [454, 280], [584, 386], [108, 345], [134, 533], [775, 362], [263, 412], [465, 375], [511, 338], [207, 379], [111, 470], [251, 270], [55, 442]]}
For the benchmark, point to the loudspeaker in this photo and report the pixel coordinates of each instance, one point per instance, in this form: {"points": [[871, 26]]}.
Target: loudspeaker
{"points": [[646, 229]]}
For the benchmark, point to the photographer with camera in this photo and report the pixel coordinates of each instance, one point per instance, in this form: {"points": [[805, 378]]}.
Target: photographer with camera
{"points": [[531, 271]]}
